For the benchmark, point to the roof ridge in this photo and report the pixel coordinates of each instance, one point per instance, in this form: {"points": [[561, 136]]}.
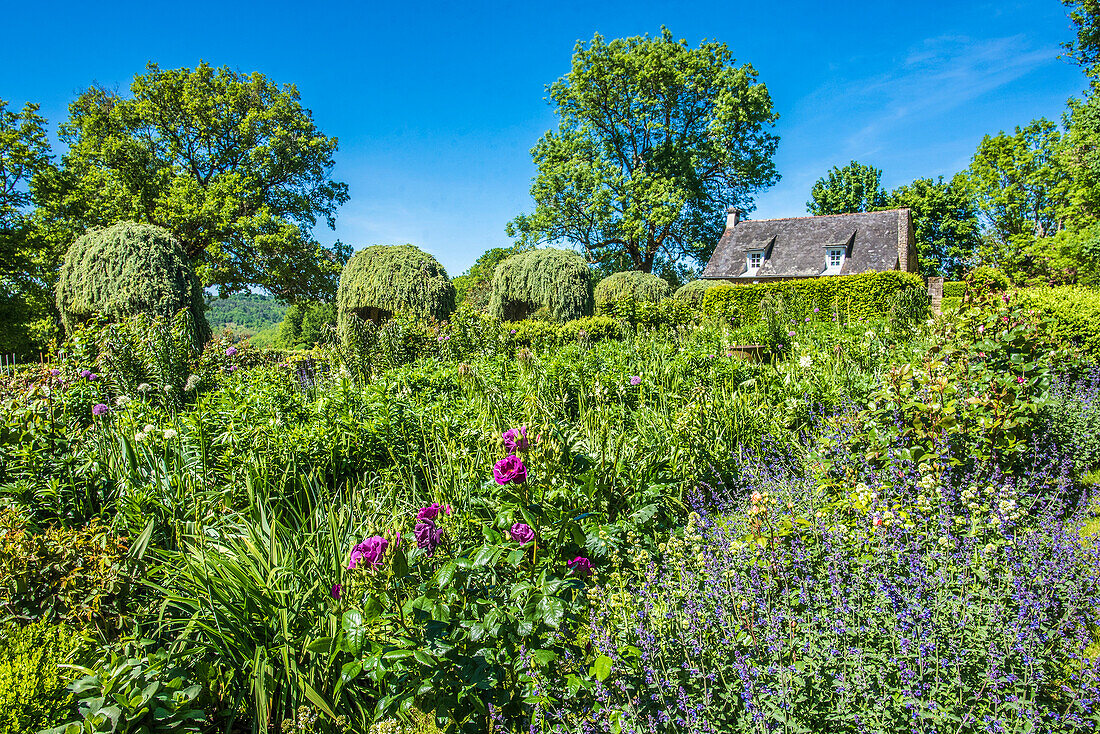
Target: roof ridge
{"points": [[822, 216]]}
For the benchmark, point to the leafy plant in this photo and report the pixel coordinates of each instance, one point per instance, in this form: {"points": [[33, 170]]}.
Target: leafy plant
{"points": [[33, 693]]}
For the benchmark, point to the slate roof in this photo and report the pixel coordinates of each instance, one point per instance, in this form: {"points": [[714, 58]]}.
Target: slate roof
{"points": [[795, 248]]}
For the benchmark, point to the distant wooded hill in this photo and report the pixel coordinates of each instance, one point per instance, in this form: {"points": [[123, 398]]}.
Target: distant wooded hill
{"points": [[250, 312]]}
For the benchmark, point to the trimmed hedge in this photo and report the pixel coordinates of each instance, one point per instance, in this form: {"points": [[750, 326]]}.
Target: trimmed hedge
{"points": [[692, 292], [953, 288], [631, 285], [383, 280], [847, 297], [558, 280], [128, 269], [1073, 313]]}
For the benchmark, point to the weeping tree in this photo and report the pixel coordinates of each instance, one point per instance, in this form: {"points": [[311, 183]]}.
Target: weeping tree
{"points": [[125, 270], [693, 291], [382, 281], [558, 280], [631, 285]]}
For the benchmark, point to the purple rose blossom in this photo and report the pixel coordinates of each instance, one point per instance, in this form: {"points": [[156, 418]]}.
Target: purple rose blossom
{"points": [[431, 512], [231, 352], [510, 469], [522, 533], [428, 536], [635, 379], [515, 439], [580, 565], [335, 592], [99, 409], [369, 551]]}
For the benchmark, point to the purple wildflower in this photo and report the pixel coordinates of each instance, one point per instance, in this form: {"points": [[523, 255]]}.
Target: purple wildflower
{"points": [[231, 352], [509, 469], [635, 379], [522, 533], [99, 409], [515, 439]]}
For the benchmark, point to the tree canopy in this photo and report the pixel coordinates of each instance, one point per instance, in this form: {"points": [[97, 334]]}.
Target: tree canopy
{"points": [[945, 219], [854, 188], [655, 139], [230, 163]]}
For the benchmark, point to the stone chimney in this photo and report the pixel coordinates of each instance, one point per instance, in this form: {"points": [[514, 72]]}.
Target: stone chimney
{"points": [[733, 216]]}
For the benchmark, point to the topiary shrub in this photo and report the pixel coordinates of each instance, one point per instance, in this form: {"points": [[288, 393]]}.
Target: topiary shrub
{"points": [[980, 282], [382, 281], [128, 269], [558, 280], [692, 292], [953, 288], [631, 285]]}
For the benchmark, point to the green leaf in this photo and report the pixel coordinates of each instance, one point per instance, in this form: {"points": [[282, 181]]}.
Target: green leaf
{"points": [[601, 668]]}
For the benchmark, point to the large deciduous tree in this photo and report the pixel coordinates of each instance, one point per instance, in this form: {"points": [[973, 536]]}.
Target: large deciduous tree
{"points": [[26, 264], [231, 164], [1020, 182], [655, 139], [854, 188], [948, 235]]}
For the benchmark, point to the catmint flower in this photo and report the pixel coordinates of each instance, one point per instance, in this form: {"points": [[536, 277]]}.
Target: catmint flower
{"points": [[99, 409], [635, 380], [515, 439], [580, 565], [55, 372], [231, 352], [522, 533], [509, 469], [369, 551], [430, 512], [428, 536]]}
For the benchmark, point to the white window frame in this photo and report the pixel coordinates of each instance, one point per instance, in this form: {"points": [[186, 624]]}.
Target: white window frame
{"points": [[830, 252], [749, 269]]}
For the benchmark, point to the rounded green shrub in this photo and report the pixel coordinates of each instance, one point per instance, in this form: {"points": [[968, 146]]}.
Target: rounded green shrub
{"points": [[128, 269], [383, 280], [631, 285], [693, 291], [981, 282], [33, 685], [558, 280]]}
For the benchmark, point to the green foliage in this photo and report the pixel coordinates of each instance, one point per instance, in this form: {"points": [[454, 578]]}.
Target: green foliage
{"points": [[245, 312], [33, 693], [27, 260], [1085, 49], [128, 269], [135, 691], [307, 324], [655, 139], [953, 288], [945, 221], [982, 282], [381, 281], [692, 293], [82, 577], [1019, 182], [558, 280], [845, 297], [230, 163], [474, 287], [854, 188], [633, 286], [1073, 314]]}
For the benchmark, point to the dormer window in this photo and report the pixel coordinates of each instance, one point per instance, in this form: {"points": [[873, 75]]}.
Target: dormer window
{"points": [[834, 259], [755, 260]]}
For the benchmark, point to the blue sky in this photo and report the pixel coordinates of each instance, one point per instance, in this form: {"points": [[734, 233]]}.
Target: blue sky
{"points": [[436, 105]]}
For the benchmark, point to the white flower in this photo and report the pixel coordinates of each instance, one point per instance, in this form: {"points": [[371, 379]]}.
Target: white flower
{"points": [[805, 361], [122, 401], [149, 428], [170, 433], [870, 334], [144, 387], [192, 381], [139, 436]]}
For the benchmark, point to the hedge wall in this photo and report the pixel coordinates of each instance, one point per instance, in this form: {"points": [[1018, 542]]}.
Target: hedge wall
{"points": [[631, 285], [557, 280], [1074, 313], [381, 281], [847, 297], [128, 269], [953, 288]]}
